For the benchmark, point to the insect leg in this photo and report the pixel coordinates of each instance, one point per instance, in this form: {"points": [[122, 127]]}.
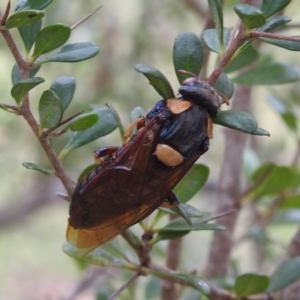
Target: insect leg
{"points": [[140, 123], [172, 199], [98, 154], [209, 127]]}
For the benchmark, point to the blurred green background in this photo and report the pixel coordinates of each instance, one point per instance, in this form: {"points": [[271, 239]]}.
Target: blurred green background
{"points": [[32, 218]]}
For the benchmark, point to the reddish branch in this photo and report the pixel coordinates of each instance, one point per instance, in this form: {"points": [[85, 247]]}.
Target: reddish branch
{"points": [[26, 113]]}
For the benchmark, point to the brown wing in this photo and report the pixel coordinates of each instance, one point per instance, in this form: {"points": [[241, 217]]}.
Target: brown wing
{"points": [[123, 193]]}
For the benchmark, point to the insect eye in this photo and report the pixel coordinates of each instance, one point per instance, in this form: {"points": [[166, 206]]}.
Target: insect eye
{"points": [[189, 81]]}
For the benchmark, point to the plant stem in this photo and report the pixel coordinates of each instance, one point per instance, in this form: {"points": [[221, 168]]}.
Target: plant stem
{"points": [[257, 34], [28, 116]]}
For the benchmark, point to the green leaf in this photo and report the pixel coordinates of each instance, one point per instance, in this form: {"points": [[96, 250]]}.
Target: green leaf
{"points": [[114, 248], [157, 80], [286, 274], [169, 235], [98, 257], [181, 225], [269, 73], [260, 132], [186, 212], [50, 110], [82, 122], [118, 120], [273, 179], [187, 54], [290, 45], [274, 23], [34, 4], [16, 73], [87, 170], [224, 85], [23, 18], [215, 7], [23, 86], [188, 279], [291, 202], [192, 182], [32, 166], [73, 53], [287, 114], [271, 7], [51, 38], [211, 39], [29, 33], [251, 16], [242, 59], [105, 125], [136, 113], [250, 284], [64, 88], [238, 120], [263, 171]]}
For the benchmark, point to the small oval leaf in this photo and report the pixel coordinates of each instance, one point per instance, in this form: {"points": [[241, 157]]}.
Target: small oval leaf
{"points": [[50, 110], [286, 274], [82, 122], [289, 45], [244, 58], [73, 53], [97, 257], [260, 132], [192, 182], [16, 73], [274, 23], [215, 7], [34, 4], [23, 18], [269, 73], [250, 284], [32, 166], [23, 86], [187, 54], [87, 170], [251, 16], [290, 202], [187, 212], [181, 225], [224, 85], [157, 80], [105, 125], [50, 38], [211, 39], [271, 7], [64, 88], [29, 33], [286, 113], [237, 120], [118, 120]]}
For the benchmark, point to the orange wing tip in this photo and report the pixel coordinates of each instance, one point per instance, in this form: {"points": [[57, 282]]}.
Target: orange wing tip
{"points": [[81, 239]]}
